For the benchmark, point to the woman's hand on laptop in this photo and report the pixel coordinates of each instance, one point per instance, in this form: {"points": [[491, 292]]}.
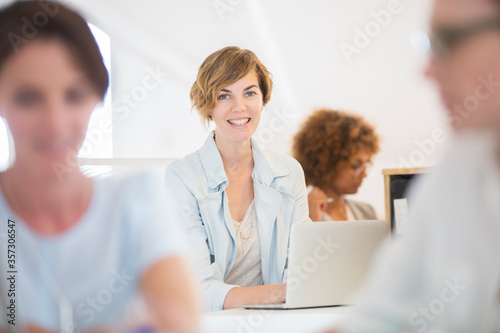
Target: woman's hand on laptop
{"points": [[278, 294], [266, 294]]}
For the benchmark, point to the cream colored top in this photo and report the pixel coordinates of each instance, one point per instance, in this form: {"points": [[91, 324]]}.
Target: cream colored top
{"points": [[247, 268]]}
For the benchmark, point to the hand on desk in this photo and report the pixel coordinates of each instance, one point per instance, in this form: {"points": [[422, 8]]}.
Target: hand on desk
{"points": [[278, 294], [267, 294]]}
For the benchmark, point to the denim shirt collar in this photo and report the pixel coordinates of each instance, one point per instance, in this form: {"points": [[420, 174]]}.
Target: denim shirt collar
{"points": [[265, 169]]}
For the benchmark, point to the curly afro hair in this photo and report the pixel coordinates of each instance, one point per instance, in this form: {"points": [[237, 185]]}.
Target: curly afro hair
{"points": [[328, 140]]}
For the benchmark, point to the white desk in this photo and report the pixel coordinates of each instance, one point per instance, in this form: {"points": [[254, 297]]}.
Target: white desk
{"points": [[262, 321]]}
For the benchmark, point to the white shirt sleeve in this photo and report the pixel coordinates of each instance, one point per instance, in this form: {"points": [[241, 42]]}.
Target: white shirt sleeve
{"points": [[181, 202], [443, 275]]}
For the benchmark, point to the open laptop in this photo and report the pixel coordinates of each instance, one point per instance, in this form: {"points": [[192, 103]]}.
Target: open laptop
{"points": [[328, 261]]}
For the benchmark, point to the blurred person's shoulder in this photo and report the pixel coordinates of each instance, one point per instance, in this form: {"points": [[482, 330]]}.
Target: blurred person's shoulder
{"points": [[137, 184], [467, 177]]}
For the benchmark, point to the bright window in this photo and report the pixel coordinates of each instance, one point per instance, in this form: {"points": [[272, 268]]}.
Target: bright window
{"points": [[99, 142], [4, 146], [99, 137]]}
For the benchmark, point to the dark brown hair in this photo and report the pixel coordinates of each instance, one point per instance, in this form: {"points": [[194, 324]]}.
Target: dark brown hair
{"points": [[326, 142], [223, 68], [24, 21]]}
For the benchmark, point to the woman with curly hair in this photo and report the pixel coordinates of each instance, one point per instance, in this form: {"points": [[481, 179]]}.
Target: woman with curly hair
{"points": [[335, 150]]}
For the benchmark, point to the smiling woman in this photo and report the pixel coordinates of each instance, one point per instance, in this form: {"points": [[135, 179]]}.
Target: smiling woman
{"points": [[225, 67], [237, 201]]}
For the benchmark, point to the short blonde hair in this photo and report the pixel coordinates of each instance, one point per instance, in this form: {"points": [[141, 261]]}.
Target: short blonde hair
{"points": [[223, 68]]}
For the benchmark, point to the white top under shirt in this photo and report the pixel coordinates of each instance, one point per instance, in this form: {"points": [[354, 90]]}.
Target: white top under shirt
{"points": [[247, 268]]}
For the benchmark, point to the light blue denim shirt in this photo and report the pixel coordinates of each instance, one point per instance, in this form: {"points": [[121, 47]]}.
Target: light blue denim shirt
{"points": [[195, 187]]}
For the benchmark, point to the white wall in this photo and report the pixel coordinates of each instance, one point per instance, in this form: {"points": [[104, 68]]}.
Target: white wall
{"points": [[300, 43]]}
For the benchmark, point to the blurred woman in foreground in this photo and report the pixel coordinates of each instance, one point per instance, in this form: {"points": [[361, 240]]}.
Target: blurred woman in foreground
{"points": [[86, 251], [443, 275]]}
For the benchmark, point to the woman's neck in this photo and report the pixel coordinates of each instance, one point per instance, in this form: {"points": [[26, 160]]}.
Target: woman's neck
{"points": [[337, 207], [235, 155], [49, 207]]}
